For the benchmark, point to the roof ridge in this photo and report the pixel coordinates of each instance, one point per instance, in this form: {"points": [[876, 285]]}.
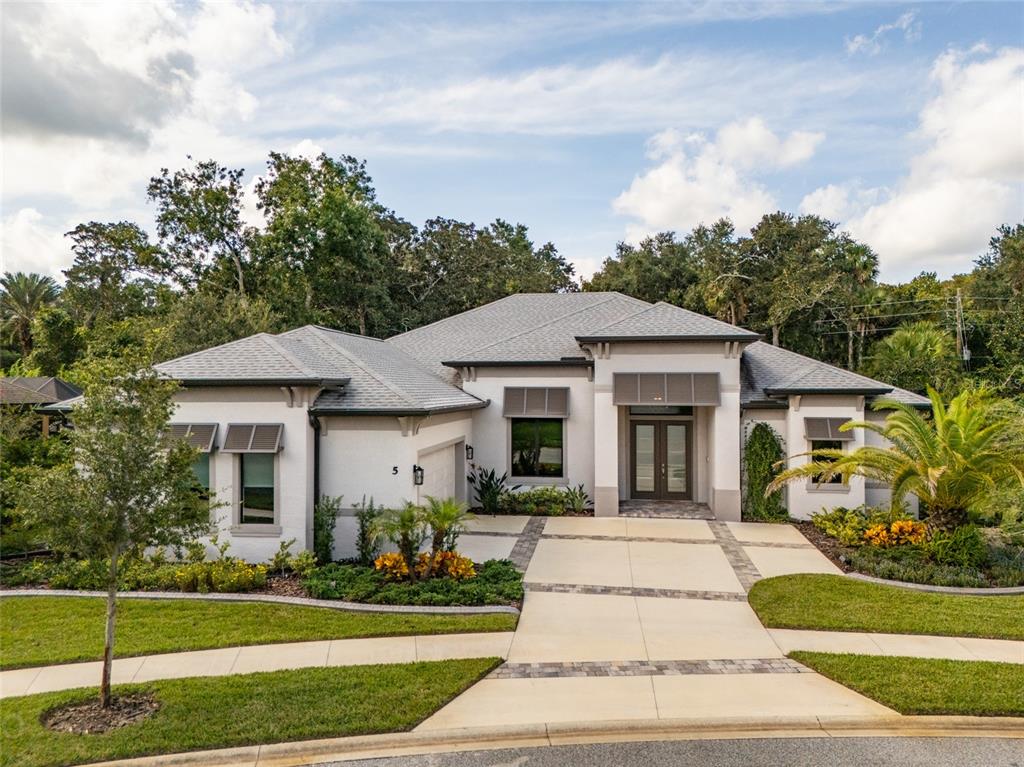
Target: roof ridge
{"points": [[212, 348], [453, 316], [277, 346], [691, 312], [360, 363], [535, 328]]}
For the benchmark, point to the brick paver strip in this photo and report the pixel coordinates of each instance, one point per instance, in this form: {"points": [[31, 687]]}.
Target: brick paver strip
{"points": [[647, 668], [745, 570], [632, 591], [665, 510], [522, 552]]}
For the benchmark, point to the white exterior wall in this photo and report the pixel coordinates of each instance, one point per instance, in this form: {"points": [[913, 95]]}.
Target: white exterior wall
{"points": [[720, 451], [492, 431], [878, 494], [803, 496], [293, 469], [359, 455]]}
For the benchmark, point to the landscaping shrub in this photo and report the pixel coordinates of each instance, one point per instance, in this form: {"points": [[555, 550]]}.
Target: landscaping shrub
{"points": [[496, 582], [911, 565], [367, 540], [962, 547], [489, 488], [544, 500], [850, 525], [325, 518], [760, 456], [576, 499], [902, 532]]}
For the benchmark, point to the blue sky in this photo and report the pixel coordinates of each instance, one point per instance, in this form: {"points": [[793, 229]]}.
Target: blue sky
{"points": [[589, 122]]}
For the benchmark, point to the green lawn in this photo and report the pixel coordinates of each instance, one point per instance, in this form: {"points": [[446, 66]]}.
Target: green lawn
{"points": [[215, 712], [926, 685], [837, 603], [37, 631]]}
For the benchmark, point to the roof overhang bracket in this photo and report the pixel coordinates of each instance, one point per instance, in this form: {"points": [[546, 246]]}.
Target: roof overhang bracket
{"points": [[289, 395], [410, 424]]}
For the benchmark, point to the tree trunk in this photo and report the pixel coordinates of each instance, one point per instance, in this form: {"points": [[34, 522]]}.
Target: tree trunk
{"points": [[362, 320], [776, 330], [108, 640], [240, 278], [849, 349]]}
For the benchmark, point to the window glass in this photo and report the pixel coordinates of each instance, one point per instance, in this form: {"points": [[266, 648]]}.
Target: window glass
{"points": [[537, 447], [826, 444], [257, 481], [201, 468]]}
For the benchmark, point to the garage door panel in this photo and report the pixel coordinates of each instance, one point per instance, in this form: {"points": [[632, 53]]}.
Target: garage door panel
{"points": [[439, 478]]}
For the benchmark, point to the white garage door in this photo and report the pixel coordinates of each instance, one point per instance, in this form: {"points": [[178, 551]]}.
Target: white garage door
{"points": [[439, 477]]}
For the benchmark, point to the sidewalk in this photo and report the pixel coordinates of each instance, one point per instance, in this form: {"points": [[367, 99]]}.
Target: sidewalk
{"points": [[245, 660], [908, 645]]}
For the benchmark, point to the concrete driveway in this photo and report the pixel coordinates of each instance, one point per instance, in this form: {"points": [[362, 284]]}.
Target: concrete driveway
{"points": [[631, 618]]}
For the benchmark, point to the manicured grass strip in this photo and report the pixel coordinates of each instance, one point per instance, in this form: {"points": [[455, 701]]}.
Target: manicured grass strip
{"points": [[38, 631], [836, 603], [926, 685], [216, 712]]}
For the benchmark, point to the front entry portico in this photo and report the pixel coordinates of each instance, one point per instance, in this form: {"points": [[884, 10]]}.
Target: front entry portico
{"points": [[661, 459]]}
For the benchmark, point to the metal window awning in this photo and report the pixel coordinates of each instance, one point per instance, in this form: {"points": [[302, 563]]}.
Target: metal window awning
{"points": [[539, 401], [827, 428], [199, 435], [253, 438], [665, 389]]}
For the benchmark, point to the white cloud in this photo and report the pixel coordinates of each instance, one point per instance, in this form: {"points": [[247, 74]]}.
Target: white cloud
{"points": [[831, 202], [696, 180], [30, 243], [966, 180], [872, 44]]}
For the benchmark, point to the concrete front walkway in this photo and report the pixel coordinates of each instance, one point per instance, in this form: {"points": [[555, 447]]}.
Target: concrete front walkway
{"points": [[245, 660], [639, 619]]}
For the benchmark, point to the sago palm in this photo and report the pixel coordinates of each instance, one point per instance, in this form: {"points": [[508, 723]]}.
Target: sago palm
{"points": [[22, 296], [406, 529], [446, 518], [949, 461]]}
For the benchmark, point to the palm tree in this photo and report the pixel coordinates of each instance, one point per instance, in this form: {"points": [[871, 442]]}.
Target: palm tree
{"points": [[949, 461], [915, 355], [21, 297], [406, 529], [447, 520]]}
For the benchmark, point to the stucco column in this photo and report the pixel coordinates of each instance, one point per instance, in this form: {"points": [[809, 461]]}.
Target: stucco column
{"points": [[725, 471], [606, 453]]}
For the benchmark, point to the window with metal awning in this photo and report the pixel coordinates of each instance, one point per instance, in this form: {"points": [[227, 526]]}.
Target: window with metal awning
{"points": [[536, 401], [666, 389], [198, 435], [827, 429], [253, 438]]}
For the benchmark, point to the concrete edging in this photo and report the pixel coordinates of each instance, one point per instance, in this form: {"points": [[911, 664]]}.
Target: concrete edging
{"points": [[555, 734], [995, 591], [331, 604]]}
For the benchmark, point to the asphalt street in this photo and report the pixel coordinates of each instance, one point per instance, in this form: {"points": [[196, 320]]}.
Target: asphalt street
{"points": [[766, 752]]}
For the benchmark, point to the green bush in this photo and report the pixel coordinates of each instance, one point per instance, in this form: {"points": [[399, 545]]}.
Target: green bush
{"points": [[543, 501], [489, 488], [497, 582], [961, 547], [325, 518], [849, 525], [760, 456], [367, 540]]}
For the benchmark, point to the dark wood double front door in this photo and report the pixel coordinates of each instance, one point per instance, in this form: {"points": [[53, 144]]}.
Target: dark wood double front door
{"points": [[660, 459]]}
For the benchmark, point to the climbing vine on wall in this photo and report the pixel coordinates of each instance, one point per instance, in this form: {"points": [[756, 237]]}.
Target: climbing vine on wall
{"points": [[762, 451]]}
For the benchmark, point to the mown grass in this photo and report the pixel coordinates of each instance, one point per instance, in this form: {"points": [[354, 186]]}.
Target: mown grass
{"points": [[36, 631], [837, 603], [926, 685], [216, 712]]}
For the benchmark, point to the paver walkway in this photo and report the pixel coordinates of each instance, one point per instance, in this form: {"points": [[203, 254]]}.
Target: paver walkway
{"points": [[272, 657], [642, 618]]}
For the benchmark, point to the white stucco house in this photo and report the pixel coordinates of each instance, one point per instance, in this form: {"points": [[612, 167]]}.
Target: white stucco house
{"points": [[635, 401]]}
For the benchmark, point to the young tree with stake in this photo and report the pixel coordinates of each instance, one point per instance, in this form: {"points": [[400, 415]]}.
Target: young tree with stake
{"points": [[128, 484]]}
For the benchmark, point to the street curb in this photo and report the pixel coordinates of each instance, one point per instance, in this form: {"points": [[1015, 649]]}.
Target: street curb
{"points": [[330, 604], [968, 591], [554, 734]]}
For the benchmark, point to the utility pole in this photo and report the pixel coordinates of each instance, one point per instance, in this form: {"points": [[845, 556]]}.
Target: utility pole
{"points": [[962, 350]]}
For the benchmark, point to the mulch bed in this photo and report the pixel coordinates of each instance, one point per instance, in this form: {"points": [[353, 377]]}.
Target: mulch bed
{"points": [[830, 547], [283, 586], [90, 718]]}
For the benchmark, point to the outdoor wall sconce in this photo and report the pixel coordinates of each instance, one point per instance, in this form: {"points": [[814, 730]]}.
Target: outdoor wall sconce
{"points": [[417, 475], [469, 452]]}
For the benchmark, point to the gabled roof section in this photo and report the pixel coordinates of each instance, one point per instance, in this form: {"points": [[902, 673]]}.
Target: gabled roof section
{"points": [[768, 372], [379, 378], [35, 390], [518, 329], [666, 322]]}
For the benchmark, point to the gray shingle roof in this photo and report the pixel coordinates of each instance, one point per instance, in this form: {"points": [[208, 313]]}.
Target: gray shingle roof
{"points": [[35, 390], [665, 322], [380, 377], [525, 327], [768, 370]]}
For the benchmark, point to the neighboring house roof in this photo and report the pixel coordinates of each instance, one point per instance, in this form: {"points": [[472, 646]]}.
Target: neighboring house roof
{"points": [[666, 322], [769, 372], [35, 390]]}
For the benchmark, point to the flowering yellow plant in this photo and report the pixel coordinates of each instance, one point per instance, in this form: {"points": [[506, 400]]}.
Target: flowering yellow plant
{"points": [[445, 563], [393, 565], [902, 532]]}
